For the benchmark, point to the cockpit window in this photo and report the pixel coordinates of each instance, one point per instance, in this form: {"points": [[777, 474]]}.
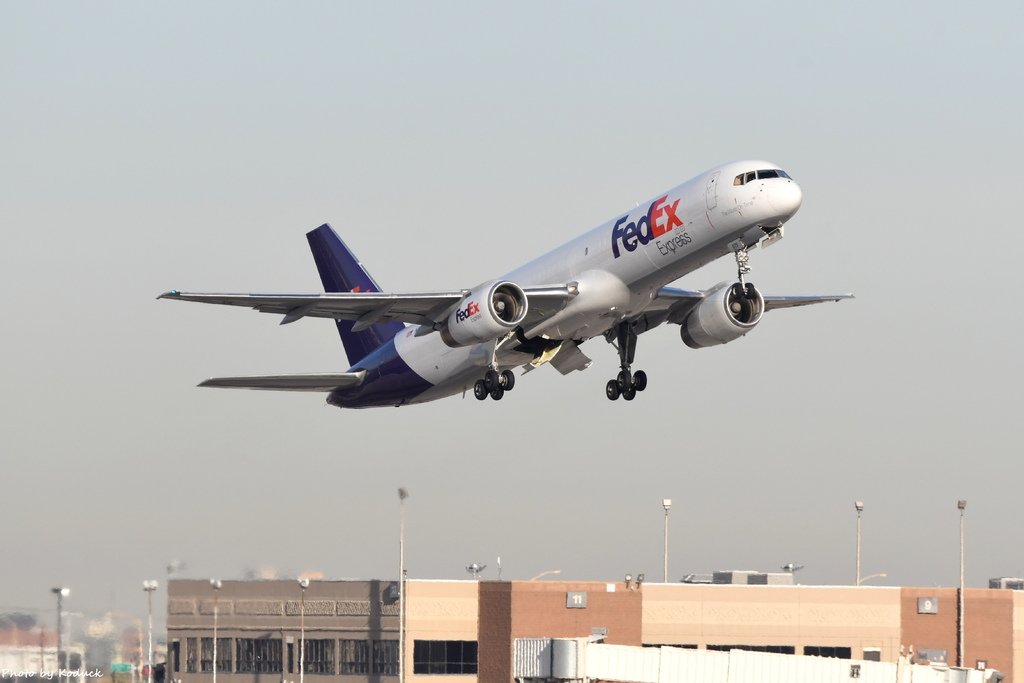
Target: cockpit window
{"points": [[744, 178]]}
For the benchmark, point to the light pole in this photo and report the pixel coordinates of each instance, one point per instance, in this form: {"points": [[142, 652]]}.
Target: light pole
{"points": [[402, 495], [961, 505], [880, 575], [667, 504], [859, 506], [215, 584], [61, 593], [149, 586], [303, 584]]}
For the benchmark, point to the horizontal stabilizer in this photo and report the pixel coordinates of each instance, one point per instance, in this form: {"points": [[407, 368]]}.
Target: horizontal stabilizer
{"points": [[308, 382]]}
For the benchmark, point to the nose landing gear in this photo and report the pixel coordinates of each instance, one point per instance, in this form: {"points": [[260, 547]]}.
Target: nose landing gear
{"points": [[627, 383], [494, 384]]}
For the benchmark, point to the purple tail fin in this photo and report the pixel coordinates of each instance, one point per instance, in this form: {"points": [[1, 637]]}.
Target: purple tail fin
{"points": [[340, 271]]}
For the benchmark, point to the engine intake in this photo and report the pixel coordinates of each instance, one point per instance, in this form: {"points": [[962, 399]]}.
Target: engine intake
{"points": [[486, 313], [726, 314]]}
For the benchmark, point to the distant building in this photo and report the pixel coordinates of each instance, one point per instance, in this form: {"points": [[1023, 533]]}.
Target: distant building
{"points": [[467, 629], [25, 652]]}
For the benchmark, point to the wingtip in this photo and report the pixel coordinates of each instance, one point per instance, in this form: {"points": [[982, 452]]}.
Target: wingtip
{"points": [[172, 294]]}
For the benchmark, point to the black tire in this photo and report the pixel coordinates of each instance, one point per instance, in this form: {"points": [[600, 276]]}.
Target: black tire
{"points": [[491, 379], [611, 390], [497, 392], [480, 390], [639, 380], [625, 380], [629, 394], [508, 380]]}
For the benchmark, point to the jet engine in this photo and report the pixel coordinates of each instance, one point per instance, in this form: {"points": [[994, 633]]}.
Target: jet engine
{"points": [[728, 312], [486, 313]]}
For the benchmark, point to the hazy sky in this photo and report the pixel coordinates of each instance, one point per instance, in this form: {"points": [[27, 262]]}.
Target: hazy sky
{"points": [[151, 146]]}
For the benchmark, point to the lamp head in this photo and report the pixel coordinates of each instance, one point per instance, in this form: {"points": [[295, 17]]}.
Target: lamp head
{"points": [[666, 503], [859, 505], [961, 504], [150, 585], [61, 591], [215, 584], [304, 583]]}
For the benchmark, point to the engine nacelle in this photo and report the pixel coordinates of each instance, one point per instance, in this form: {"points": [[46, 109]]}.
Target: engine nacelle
{"points": [[486, 313], [726, 314]]}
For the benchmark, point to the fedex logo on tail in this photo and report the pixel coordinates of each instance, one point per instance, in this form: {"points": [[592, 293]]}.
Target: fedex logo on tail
{"points": [[661, 217]]}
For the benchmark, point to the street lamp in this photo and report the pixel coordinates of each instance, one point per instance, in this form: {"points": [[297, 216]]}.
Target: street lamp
{"points": [[61, 593], [880, 575], [961, 505], [303, 584], [149, 586], [667, 504], [402, 495], [215, 584], [859, 506]]}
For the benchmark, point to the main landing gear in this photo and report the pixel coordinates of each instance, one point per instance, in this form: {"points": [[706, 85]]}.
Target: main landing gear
{"points": [[494, 384], [627, 383]]}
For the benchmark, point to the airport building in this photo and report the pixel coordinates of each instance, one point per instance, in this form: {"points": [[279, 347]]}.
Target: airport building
{"points": [[463, 631]]}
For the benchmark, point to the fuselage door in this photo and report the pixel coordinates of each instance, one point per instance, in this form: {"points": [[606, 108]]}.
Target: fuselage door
{"points": [[711, 193]]}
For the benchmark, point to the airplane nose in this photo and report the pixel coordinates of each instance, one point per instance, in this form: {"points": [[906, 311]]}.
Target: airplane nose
{"points": [[786, 198]]}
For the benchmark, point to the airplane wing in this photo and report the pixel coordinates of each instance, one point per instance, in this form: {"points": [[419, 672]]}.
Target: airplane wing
{"points": [[307, 382], [673, 304], [366, 308]]}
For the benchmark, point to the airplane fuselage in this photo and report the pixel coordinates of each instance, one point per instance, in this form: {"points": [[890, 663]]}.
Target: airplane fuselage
{"points": [[618, 268]]}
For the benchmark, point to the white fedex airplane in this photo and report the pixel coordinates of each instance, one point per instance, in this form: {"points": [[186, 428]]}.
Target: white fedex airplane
{"points": [[609, 282]]}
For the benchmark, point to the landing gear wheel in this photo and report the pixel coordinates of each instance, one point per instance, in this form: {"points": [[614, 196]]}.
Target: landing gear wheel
{"points": [[626, 384], [508, 380], [480, 390], [491, 379], [639, 380], [497, 392], [611, 390]]}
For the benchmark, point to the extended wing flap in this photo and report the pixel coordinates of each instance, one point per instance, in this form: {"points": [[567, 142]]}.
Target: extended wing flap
{"points": [[305, 382]]}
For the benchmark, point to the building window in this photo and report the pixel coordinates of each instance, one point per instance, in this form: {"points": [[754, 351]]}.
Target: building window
{"points": [[191, 654], [385, 657], [317, 656], [829, 651], [681, 646], [444, 657], [223, 655], [355, 658], [257, 655], [176, 655], [777, 649]]}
